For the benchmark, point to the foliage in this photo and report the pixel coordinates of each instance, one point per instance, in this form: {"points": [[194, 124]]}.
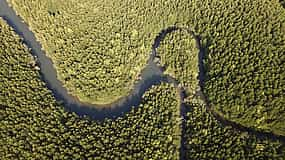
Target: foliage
{"points": [[34, 126], [178, 53], [245, 45], [94, 45], [98, 47], [206, 138]]}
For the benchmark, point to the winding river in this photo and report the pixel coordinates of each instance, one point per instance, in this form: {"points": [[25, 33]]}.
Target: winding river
{"points": [[150, 75]]}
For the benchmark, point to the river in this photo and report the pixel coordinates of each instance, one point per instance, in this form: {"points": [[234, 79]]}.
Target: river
{"points": [[151, 75]]}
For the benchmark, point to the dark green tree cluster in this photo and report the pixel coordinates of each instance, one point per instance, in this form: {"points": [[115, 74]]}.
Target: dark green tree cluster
{"points": [[34, 126], [178, 53], [98, 47], [245, 46], [206, 138]]}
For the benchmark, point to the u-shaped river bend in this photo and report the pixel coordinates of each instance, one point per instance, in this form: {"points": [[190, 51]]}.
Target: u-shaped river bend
{"points": [[150, 75]]}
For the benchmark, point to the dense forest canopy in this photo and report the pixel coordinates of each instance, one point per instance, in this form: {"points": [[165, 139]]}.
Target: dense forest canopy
{"points": [[33, 125], [178, 54], [99, 48], [244, 41]]}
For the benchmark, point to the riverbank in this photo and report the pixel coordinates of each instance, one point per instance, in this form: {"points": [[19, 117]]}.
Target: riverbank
{"points": [[152, 75]]}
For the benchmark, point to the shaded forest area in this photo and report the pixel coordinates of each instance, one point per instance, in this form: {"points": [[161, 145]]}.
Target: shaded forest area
{"points": [[245, 45]]}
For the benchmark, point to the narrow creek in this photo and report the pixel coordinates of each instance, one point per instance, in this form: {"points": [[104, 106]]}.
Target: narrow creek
{"points": [[150, 75]]}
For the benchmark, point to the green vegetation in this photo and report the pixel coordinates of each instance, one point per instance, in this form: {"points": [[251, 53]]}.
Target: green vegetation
{"points": [[98, 47], [148, 133], [245, 64], [34, 126], [178, 53], [206, 138]]}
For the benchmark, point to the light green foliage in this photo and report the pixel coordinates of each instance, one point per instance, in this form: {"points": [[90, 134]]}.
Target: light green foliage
{"points": [[178, 53], [206, 138], [34, 126], [98, 47]]}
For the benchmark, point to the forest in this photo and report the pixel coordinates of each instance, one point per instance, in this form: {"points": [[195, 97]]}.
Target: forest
{"points": [[99, 49], [245, 62], [34, 126], [97, 67], [207, 138], [244, 42], [183, 65]]}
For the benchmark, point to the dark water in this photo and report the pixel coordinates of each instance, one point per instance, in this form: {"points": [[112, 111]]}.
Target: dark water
{"points": [[150, 75]]}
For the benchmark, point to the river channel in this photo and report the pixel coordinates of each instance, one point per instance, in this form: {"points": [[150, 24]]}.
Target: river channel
{"points": [[151, 75]]}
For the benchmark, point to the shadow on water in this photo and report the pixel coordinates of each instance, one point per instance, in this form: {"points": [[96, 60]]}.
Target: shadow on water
{"points": [[122, 107], [162, 35], [150, 75]]}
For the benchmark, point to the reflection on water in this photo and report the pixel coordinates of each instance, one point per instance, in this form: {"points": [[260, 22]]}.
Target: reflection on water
{"points": [[150, 75]]}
